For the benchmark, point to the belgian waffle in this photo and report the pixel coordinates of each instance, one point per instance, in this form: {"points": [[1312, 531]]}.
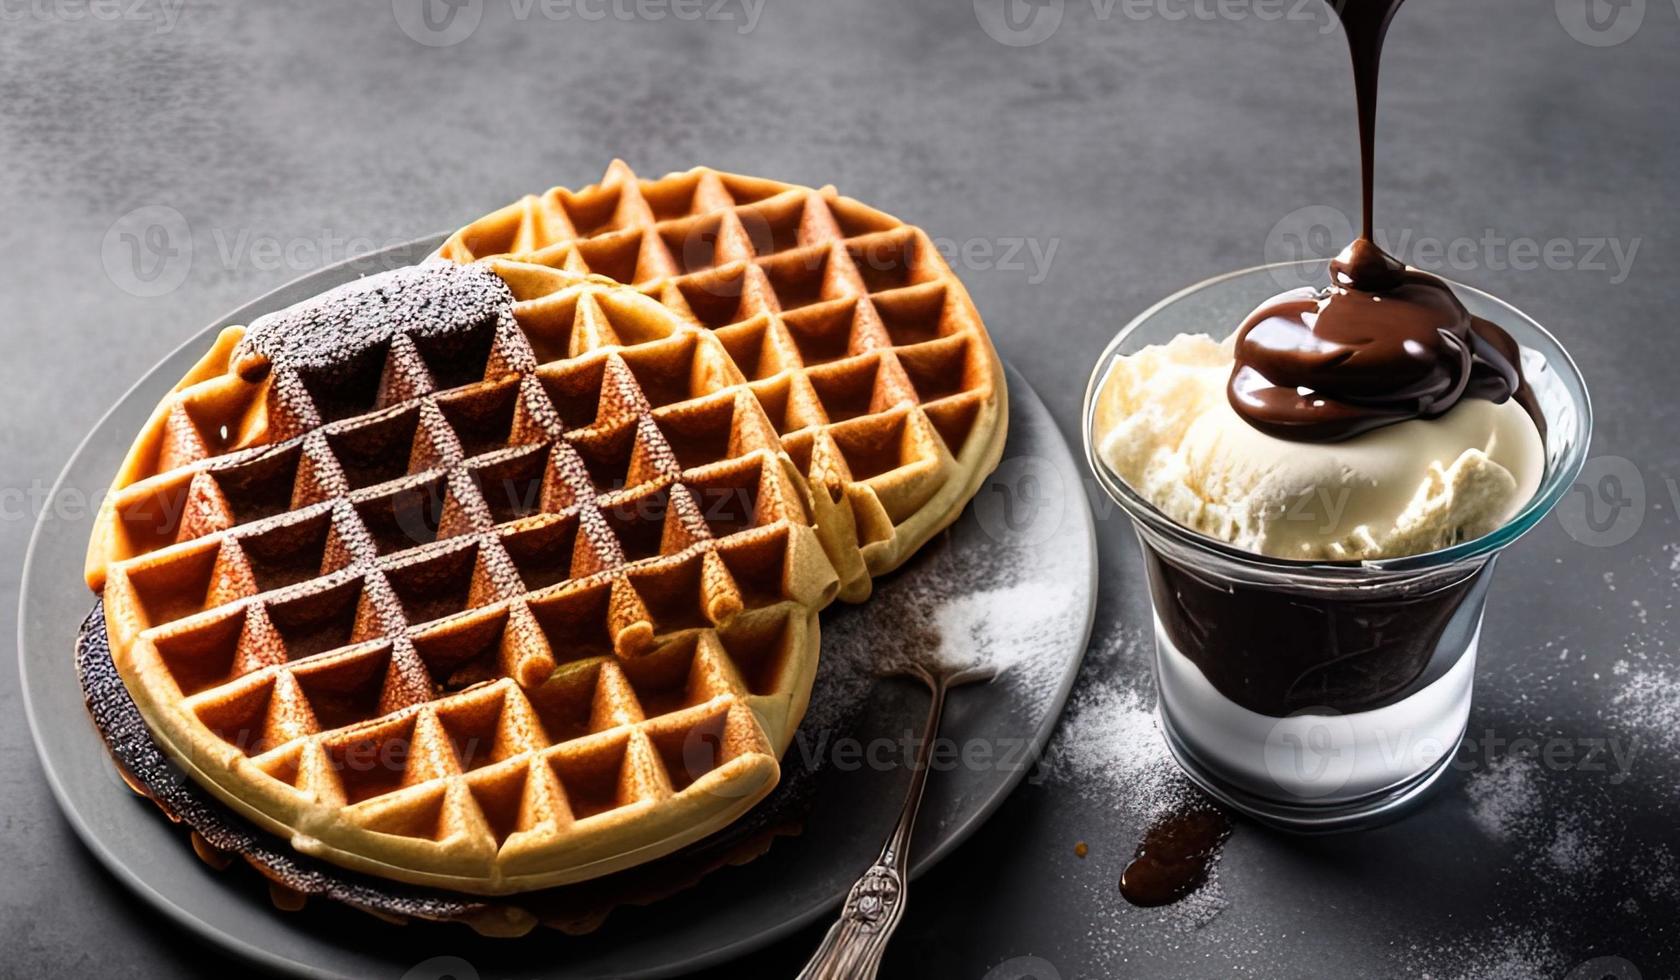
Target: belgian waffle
{"points": [[856, 337], [463, 589]]}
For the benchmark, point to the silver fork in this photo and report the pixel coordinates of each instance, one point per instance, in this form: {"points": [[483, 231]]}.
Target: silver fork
{"points": [[853, 948]]}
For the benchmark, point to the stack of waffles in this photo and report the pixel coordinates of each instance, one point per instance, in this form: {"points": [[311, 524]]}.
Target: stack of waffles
{"points": [[503, 571]]}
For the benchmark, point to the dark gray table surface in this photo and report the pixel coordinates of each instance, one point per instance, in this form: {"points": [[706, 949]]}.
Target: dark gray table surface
{"points": [[1138, 147]]}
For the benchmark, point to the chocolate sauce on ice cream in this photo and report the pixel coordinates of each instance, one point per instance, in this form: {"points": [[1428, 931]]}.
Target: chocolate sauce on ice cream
{"points": [[1381, 343]]}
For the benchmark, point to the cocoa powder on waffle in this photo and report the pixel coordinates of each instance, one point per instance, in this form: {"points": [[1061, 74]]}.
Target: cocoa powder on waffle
{"points": [[446, 306]]}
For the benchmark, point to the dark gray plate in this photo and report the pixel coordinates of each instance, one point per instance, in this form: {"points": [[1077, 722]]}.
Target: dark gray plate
{"points": [[1020, 564]]}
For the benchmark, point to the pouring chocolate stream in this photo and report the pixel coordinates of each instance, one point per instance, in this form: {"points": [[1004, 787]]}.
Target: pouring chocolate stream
{"points": [[1382, 343]]}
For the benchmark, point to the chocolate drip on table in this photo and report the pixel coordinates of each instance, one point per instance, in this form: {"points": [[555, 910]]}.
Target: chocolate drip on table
{"points": [[1175, 855], [1380, 344]]}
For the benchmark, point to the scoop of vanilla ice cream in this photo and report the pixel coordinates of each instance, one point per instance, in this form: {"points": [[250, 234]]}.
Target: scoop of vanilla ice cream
{"points": [[1164, 424]]}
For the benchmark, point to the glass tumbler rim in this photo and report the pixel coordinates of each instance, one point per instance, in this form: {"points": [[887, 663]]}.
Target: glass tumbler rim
{"points": [[1559, 474]]}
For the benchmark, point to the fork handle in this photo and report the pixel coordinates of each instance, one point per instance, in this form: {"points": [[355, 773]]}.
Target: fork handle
{"points": [[854, 945]]}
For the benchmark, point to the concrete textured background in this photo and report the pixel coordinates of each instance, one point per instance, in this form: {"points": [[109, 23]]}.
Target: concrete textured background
{"points": [[1137, 147]]}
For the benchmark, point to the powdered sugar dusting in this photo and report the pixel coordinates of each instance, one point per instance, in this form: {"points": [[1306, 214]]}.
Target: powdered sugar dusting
{"points": [[1508, 804], [1661, 877], [1201, 906], [1003, 628], [1505, 798], [1110, 742], [1650, 703], [990, 603], [1017, 605], [1503, 953], [1110, 748], [436, 299], [1572, 850]]}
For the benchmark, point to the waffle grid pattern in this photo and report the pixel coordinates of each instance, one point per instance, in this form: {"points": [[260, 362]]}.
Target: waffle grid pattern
{"points": [[857, 339], [457, 600]]}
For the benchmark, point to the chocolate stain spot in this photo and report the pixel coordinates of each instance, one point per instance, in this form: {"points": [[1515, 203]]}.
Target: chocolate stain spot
{"points": [[1175, 855]]}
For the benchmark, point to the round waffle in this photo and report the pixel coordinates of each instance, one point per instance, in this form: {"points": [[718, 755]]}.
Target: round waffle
{"points": [[465, 585], [856, 337]]}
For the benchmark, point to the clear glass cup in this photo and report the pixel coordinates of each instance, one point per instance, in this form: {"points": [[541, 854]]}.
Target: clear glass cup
{"points": [[1320, 695]]}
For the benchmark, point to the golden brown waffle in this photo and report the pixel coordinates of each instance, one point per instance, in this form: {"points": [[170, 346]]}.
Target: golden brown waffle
{"points": [[859, 341], [467, 591]]}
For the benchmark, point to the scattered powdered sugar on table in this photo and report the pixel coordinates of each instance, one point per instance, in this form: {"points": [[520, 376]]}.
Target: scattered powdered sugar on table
{"points": [[1505, 797], [1572, 850], [1508, 804], [1201, 906], [1503, 953], [1649, 701], [1109, 742], [1661, 874], [1109, 746]]}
